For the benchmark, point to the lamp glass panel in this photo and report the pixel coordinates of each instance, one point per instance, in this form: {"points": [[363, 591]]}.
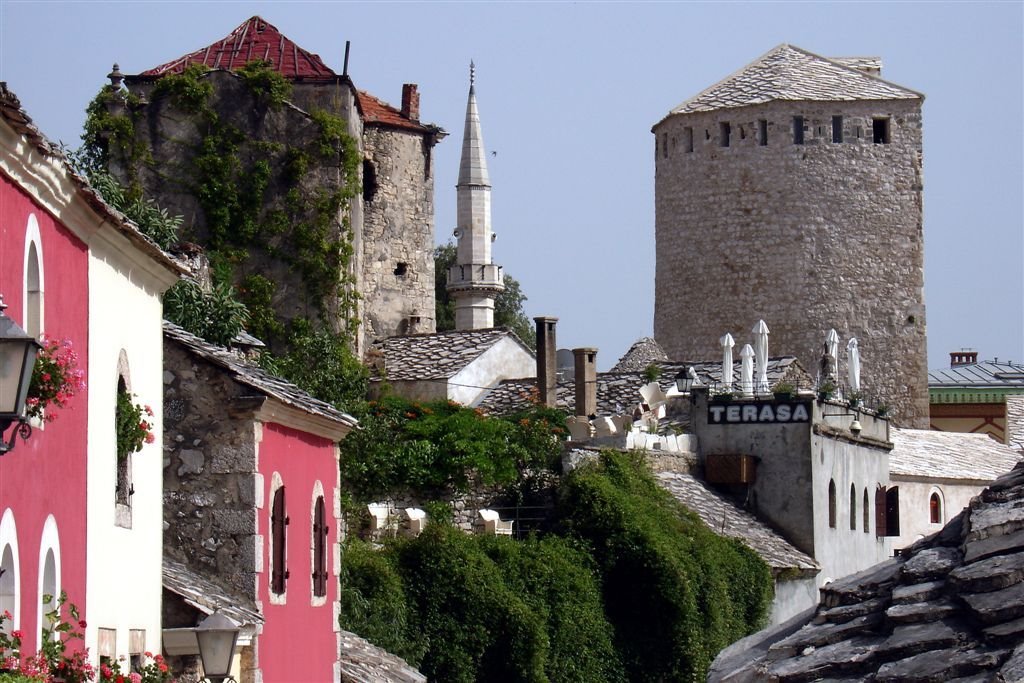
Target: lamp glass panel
{"points": [[216, 646]]}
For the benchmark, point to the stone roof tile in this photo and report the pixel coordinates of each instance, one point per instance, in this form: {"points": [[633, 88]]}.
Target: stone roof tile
{"points": [[642, 353], [790, 73], [255, 377], [207, 595], [437, 355], [940, 611], [949, 455], [363, 662], [724, 518]]}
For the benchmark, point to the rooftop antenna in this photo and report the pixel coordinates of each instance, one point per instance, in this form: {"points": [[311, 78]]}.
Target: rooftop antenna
{"points": [[344, 68]]}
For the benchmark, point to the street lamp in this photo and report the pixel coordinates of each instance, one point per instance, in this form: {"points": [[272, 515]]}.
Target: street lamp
{"points": [[217, 636], [17, 358]]}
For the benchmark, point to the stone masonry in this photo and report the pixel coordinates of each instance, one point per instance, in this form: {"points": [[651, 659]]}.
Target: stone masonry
{"points": [[824, 232]]}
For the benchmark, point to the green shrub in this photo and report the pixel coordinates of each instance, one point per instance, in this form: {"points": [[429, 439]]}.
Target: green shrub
{"points": [[675, 592]]}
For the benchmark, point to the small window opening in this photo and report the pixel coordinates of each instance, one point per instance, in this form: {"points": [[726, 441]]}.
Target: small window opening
{"points": [[123, 489], [278, 524], [880, 131], [688, 139], [743, 133], [887, 511], [762, 130], [864, 510], [34, 290], [664, 145], [853, 507], [798, 130], [935, 509], [724, 133], [369, 180], [320, 530], [837, 129], [707, 134], [401, 269], [832, 504]]}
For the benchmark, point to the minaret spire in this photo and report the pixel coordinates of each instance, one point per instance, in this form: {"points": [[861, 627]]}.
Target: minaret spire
{"points": [[474, 281]]}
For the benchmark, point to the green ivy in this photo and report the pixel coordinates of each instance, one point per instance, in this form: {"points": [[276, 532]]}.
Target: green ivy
{"points": [[441, 446], [270, 87], [216, 316], [190, 89]]}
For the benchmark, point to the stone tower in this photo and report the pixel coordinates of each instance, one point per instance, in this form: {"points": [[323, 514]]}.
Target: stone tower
{"points": [[390, 223], [791, 192], [474, 282]]}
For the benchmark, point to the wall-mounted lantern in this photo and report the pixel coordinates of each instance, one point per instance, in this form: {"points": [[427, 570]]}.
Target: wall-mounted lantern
{"points": [[217, 635], [17, 358]]}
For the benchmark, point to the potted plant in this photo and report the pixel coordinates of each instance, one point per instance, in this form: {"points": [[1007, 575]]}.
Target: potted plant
{"points": [[784, 391], [722, 396], [826, 390], [855, 398]]}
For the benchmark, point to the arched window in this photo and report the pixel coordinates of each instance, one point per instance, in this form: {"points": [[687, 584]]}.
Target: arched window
{"points": [[10, 577], [831, 504], [49, 573], [33, 290], [320, 530], [123, 489], [935, 508], [278, 541], [853, 507], [864, 509]]}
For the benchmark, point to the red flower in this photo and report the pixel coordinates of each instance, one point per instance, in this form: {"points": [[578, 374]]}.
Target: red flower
{"points": [[163, 668], [81, 623], [17, 635], [150, 438]]}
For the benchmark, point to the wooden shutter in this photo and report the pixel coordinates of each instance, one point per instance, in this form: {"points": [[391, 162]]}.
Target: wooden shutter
{"points": [[320, 530], [880, 527], [278, 520]]}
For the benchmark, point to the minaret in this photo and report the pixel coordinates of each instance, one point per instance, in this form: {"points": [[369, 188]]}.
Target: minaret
{"points": [[474, 281]]}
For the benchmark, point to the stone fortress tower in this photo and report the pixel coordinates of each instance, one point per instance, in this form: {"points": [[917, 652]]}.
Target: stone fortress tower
{"points": [[791, 192], [474, 281]]}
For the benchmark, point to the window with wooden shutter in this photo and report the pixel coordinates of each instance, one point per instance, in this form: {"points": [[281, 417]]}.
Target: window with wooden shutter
{"points": [[892, 511], [320, 530], [278, 524], [880, 511], [832, 504]]}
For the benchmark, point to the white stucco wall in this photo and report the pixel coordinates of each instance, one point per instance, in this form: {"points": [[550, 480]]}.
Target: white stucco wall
{"points": [[842, 550], [791, 598], [915, 518], [506, 359], [123, 580]]}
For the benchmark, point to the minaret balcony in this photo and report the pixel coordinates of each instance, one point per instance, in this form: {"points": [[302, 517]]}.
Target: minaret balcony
{"points": [[470, 276]]}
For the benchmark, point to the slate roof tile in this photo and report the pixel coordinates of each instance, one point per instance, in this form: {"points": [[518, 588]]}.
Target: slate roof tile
{"points": [[207, 596], [254, 376], [642, 353], [969, 618], [949, 455], [363, 662], [790, 73], [437, 355]]}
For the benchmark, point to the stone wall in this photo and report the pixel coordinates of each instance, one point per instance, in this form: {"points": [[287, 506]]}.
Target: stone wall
{"points": [[1015, 421], [806, 236], [397, 260], [210, 481]]}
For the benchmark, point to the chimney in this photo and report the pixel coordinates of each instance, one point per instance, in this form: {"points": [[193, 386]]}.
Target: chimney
{"points": [[962, 357], [546, 367], [410, 102], [586, 381]]}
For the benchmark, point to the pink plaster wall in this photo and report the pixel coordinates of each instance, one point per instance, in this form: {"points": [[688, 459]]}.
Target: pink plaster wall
{"points": [[298, 642], [47, 474]]}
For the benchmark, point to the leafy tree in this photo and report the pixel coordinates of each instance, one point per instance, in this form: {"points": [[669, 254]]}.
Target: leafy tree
{"points": [[508, 305], [215, 316]]}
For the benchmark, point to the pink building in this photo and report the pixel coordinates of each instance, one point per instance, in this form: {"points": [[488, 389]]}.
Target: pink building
{"points": [[73, 516]]}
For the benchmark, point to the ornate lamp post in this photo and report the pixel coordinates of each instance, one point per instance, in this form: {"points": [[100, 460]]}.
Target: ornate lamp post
{"points": [[217, 636], [17, 357]]}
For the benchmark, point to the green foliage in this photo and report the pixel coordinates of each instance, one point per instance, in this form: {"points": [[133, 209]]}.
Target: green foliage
{"points": [[651, 373], [217, 316], [320, 362], [270, 87], [508, 305], [110, 129], [675, 592], [153, 221], [132, 425], [441, 446], [190, 89]]}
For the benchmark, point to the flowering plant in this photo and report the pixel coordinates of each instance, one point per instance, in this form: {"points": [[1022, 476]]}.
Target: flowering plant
{"points": [[53, 661], [56, 377], [155, 671], [133, 427]]}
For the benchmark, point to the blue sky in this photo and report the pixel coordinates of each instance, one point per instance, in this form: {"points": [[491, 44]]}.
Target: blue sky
{"points": [[568, 93]]}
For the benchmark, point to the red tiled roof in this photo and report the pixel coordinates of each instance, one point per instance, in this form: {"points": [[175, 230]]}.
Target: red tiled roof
{"points": [[377, 111], [255, 39]]}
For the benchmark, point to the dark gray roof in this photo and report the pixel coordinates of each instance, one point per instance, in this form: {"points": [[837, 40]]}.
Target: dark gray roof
{"points": [[950, 607], [642, 353], [618, 392], [363, 662], [987, 374], [790, 73], [724, 518], [438, 355], [255, 377], [207, 596], [948, 455]]}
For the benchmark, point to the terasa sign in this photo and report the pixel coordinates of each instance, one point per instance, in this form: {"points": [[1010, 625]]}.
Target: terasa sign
{"points": [[764, 413]]}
